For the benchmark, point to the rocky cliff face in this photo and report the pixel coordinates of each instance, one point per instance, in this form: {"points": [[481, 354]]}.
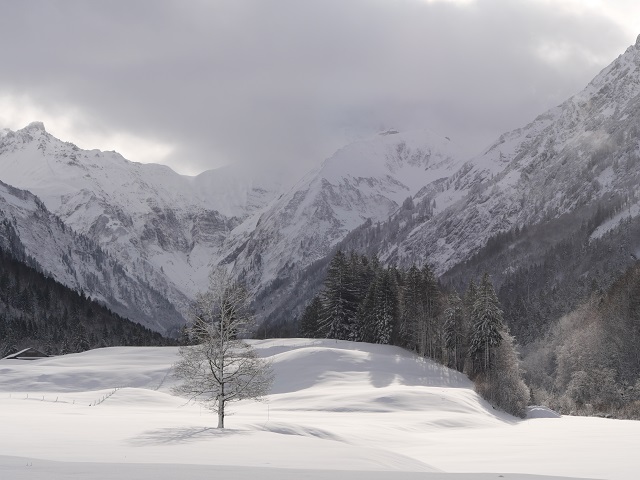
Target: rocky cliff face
{"points": [[34, 235]]}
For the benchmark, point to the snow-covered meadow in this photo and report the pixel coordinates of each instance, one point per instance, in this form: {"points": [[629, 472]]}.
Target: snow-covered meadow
{"points": [[337, 410]]}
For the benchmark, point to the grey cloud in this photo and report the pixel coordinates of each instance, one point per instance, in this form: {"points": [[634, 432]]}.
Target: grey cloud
{"points": [[275, 84]]}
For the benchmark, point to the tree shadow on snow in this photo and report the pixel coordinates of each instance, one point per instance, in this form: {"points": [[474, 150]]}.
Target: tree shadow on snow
{"points": [[181, 435], [411, 370]]}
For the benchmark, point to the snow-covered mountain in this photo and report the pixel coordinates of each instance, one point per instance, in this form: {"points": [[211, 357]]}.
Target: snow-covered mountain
{"points": [[575, 167], [171, 229], [580, 154], [31, 233], [165, 227], [366, 180]]}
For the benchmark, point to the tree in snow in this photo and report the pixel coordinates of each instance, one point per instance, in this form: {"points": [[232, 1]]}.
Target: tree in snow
{"points": [[310, 321], [386, 312], [431, 301], [412, 327], [379, 312], [338, 300], [486, 315], [503, 385], [455, 332], [221, 368], [496, 368]]}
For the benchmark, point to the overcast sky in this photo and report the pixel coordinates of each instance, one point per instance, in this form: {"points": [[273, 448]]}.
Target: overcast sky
{"points": [[283, 83]]}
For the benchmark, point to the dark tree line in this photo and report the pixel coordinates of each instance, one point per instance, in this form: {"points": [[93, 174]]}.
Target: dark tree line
{"points": [[36, 311], [362, 300]]}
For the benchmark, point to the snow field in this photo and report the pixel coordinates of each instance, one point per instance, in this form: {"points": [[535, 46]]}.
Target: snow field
{"points": [[362, 410]]}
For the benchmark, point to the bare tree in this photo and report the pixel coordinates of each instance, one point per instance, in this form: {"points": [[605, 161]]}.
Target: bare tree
{"points": [[221, 368]]}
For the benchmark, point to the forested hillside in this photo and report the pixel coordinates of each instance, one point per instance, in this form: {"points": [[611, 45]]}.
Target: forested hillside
{"points": [[36, 311], [361, 300]]}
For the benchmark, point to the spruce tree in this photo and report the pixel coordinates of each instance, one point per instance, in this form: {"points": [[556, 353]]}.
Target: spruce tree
{"points": [[366, 316], [361, 275], [487, 325], [338, 300], [454, 331], [430, 304], [310, 321], [386, 309], [412, 325]]}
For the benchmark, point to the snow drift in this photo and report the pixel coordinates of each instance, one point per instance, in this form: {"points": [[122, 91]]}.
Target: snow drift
{"points": [[335, 406]]}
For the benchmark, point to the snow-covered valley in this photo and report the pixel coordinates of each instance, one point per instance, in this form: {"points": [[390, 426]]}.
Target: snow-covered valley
{"points": [[337, 409]]}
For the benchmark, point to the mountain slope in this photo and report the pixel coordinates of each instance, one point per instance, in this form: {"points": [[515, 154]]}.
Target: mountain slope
{"points": [[30, 233], [576, 155], [165, 227], [570, 176], [366, 180], [172, 230], [38, 312]]}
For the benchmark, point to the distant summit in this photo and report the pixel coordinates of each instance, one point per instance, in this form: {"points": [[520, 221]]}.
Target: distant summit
{"points": [[35, 126]]}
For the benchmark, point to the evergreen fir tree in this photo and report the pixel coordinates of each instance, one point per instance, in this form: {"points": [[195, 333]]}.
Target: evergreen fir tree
{"points": [[487, 325], [310, 321], [338, 300], [366, 316], [430, 303], [386, 307], [468, 300], [454, 331], [412, 327], [361, 276]]}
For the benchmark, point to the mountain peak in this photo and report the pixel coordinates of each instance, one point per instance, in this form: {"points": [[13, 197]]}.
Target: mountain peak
{"points": [[638, 42], [35, 126]]}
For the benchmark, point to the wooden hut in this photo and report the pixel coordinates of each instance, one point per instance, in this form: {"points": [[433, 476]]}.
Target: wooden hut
{"points": [[26, 354]]}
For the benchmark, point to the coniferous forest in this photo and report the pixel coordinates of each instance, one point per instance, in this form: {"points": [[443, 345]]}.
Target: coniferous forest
{"points": [[36, 311], [362, 300], [587, 363]]}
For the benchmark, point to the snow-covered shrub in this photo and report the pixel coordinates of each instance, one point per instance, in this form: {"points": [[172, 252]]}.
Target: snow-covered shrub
{"points": [[502, 385]]}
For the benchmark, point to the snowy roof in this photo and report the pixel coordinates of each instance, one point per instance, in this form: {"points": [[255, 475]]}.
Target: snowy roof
{"points": [[26, 354]]}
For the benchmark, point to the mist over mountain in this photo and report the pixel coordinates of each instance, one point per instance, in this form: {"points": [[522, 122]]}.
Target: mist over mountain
{"points": [[553, 204], [409, 197]]}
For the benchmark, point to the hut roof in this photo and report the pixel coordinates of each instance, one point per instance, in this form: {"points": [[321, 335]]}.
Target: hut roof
{"points": [[26, 354]]}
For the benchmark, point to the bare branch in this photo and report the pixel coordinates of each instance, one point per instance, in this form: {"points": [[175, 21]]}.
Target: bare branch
{"points": [[221, 368]]}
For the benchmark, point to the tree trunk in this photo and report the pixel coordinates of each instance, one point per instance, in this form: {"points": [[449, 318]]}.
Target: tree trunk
{"points": [[221, 413]]}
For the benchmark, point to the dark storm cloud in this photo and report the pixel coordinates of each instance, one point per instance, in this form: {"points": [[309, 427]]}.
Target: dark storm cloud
{"points": [[286, 82]]}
